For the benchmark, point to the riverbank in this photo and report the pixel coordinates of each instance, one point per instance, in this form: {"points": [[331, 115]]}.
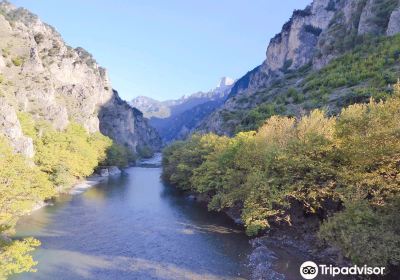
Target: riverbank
{"points": [[157, 233], [295, 243], [100, 175], [81, 185], [89, 182], [277, 253]]}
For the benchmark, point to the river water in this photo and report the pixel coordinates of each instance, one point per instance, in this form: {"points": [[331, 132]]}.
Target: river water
{"points": [[134, 227]]}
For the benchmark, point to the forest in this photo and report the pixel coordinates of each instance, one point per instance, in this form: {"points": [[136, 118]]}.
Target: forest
{"points": [[351, 160]]}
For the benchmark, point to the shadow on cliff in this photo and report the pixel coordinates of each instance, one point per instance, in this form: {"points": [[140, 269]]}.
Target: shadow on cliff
{"points": [[127, 127]]}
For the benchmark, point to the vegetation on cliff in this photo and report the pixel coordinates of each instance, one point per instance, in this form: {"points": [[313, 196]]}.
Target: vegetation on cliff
{"points": [[61, 158], [365, 71], [351, 160]]}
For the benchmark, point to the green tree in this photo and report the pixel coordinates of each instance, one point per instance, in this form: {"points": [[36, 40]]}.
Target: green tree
{"points": [[22, 185], [366, 235], [351, 159], [119, 156], [15, 257]]}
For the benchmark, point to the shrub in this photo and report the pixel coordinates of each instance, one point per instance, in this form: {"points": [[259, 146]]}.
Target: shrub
{"points": [[22, 186], [181, 158], [312, 29], [145, 151], [351, 159], [65, 155], [366, 236], [257, 116], [17, 61], [118, 155], [15, 256], [5, 52], [61, 158], [286, 65], [369, 64], [39, 38]]}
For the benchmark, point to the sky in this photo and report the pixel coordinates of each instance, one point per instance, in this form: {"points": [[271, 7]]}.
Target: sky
{"points": [[168, 48]]}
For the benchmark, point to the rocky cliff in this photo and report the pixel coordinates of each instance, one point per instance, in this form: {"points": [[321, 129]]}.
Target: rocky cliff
{"points": [[43, 76], [117, 116], [308, 42]]}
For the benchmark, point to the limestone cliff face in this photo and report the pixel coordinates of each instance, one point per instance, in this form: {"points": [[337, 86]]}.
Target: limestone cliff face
{"points": [[11, 128], [117, 115], [43, 76], [375, 17], [394, 23], [292, 48], [295, 45], [311, 38]]}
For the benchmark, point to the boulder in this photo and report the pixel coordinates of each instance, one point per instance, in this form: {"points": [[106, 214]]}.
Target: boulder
{"points": [[104, 172], [113, 170]]}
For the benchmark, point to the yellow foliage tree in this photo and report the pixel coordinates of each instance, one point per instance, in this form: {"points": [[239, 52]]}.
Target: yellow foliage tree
{"points": [[22, 185]]}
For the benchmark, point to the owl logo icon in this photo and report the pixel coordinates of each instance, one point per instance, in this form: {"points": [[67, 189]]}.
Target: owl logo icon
{"points": [[309, 270]]}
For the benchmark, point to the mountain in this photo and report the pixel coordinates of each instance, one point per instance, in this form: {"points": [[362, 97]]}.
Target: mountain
{"points": [[175, 119], [49, 80], [151, 107], [320, 59]]}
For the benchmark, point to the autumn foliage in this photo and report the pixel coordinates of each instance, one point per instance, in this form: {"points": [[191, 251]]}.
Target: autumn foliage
{"points": [[352, 159]]}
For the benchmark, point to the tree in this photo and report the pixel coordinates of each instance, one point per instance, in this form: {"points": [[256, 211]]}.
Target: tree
{"points": [[22, 185]]}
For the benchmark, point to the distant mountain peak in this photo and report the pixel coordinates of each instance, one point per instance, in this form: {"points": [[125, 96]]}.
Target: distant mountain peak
{"points": [[175, 119], [225, 81]]}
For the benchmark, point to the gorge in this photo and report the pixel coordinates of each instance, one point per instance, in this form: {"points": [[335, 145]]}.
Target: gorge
{"points": [[296, 160], [176, 119]]}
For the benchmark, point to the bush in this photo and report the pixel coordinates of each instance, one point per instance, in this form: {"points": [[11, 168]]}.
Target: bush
{"points": [[383, 9], [118, 155], [352, 159], [17, 61], [5, 52], [370, 64], [22, 186], [366, 236], [295, 95], [68, 155], [181, 158], [331, 6], [286, 65], [257, 116], [39, 38], [61, 158], [145, 151], [15, 256], [313, 30]]}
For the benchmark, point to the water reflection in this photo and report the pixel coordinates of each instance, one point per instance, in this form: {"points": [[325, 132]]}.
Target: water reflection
{"points": [[133, 227], [210, 229], [90, 267]]}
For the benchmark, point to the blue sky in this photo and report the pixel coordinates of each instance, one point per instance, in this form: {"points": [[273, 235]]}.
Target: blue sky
{"points": [[167, 48]]}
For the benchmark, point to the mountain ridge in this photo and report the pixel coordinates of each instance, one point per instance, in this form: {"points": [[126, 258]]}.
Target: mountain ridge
{"points": [[175, 119], [52, 81], [307, 43]]}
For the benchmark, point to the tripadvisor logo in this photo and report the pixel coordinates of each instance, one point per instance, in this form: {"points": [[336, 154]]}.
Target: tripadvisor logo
{"points": [[310, 270]]}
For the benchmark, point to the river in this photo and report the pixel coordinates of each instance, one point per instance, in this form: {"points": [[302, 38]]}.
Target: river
{"points": [[134, 227]]}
